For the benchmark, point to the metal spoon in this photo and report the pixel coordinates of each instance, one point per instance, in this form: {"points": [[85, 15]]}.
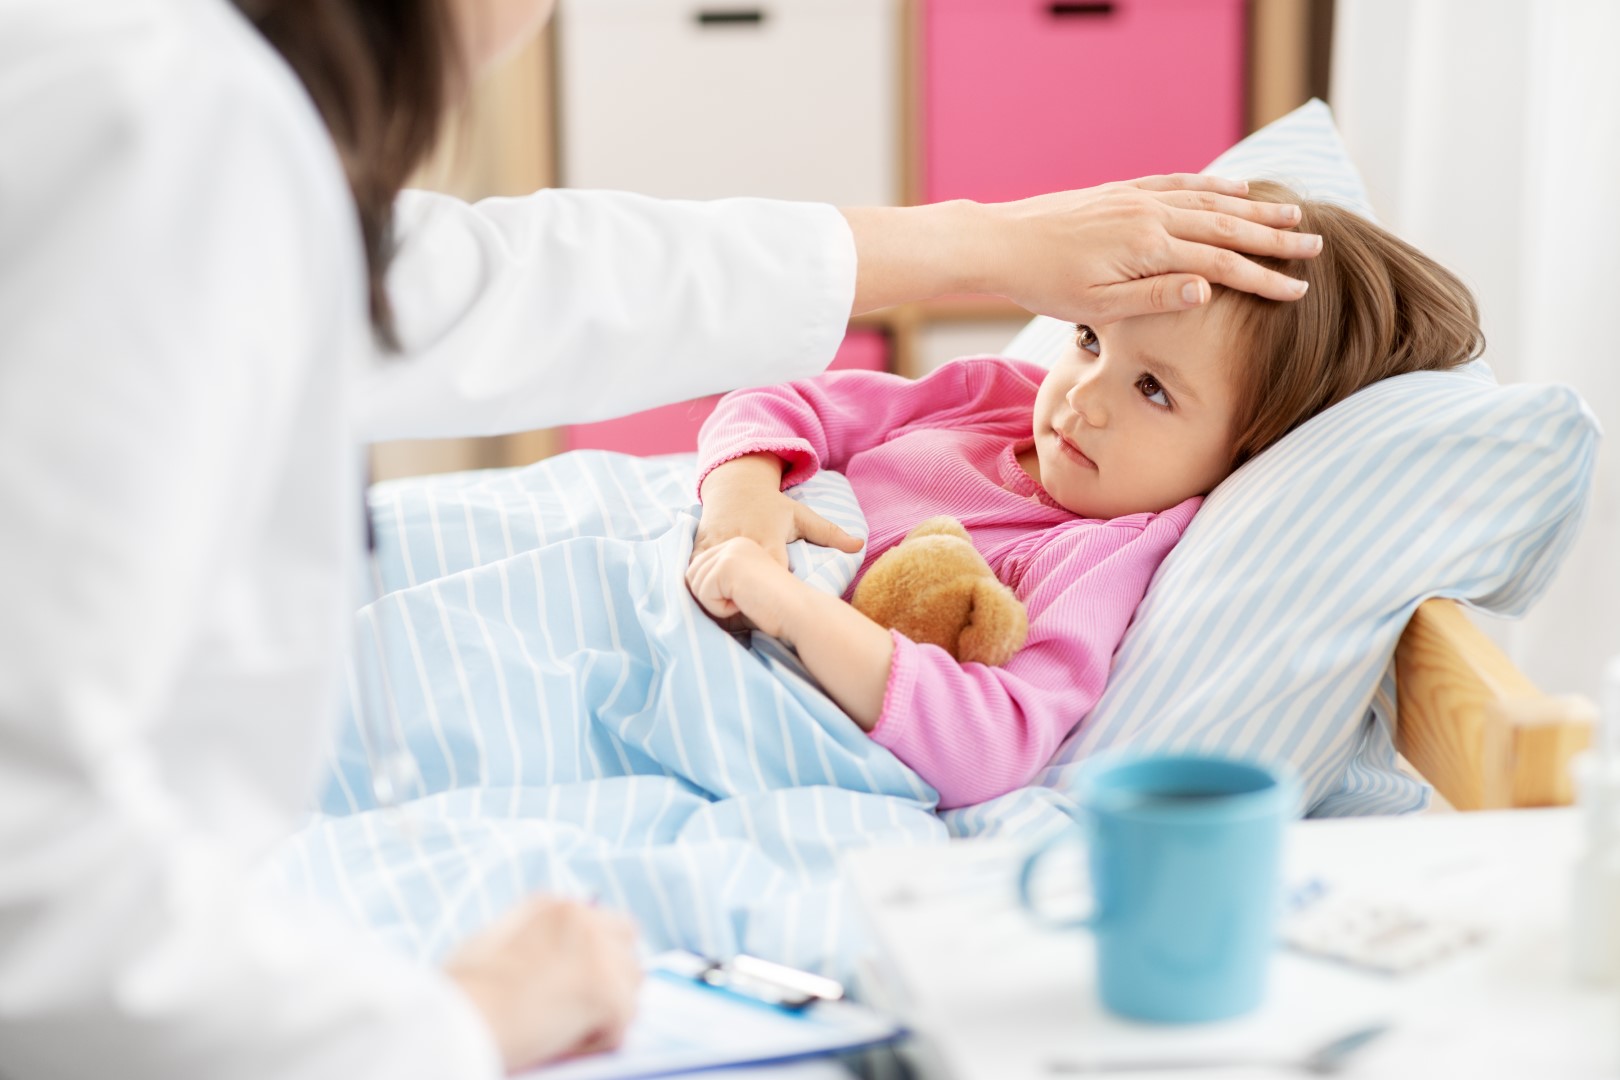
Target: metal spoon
{"points": [[1324, 1060]]}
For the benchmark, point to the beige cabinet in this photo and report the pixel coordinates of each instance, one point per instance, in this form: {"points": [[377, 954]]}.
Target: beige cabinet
{"points": [[786, 99]]}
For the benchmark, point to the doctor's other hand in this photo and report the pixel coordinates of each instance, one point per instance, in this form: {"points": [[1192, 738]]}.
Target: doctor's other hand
{"points": [[552, 978], [1143, 246], [743, 497]]}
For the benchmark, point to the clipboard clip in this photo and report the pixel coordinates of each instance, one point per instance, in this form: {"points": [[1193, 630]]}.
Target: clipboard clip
{"points": [[767, 982]]}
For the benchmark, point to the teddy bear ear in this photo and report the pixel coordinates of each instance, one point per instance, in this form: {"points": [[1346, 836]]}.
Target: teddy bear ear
{"points": [[944, 525], [996, 625]]}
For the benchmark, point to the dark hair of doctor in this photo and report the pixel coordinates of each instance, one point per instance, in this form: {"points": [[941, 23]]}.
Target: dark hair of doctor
{"points": [[382, 75]]}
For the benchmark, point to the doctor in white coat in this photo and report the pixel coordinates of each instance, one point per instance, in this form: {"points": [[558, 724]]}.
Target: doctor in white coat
{"points": [[212, 295]]}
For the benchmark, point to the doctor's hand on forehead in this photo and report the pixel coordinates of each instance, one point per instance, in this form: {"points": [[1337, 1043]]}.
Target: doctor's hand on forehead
{"points": [[1093, 255]]}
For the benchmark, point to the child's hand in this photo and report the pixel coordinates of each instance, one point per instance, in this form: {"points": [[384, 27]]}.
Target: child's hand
{"points": [[738, 577], [849, 654], [772, 521], [742, 498]]}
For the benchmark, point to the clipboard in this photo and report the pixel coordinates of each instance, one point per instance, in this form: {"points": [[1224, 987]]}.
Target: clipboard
{"points": [[695, 1013]]}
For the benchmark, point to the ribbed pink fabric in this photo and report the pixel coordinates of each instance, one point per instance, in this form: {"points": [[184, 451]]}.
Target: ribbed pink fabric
{"points": [[947, 444]]}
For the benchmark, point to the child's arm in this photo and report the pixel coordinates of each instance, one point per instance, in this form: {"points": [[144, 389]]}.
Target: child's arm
{"points": [[846, 652], [975, 732], [744, 497], [823, 422], [760, 442], [971, 731]]}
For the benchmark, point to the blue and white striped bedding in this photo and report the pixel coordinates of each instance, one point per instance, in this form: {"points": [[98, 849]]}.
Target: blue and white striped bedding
{"points": [[577, 724], [535, 628]]}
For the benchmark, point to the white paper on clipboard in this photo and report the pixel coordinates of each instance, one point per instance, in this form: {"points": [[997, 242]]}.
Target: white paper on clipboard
{"points": [[683, 1025]]}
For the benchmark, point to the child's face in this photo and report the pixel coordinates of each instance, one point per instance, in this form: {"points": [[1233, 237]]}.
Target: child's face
{"points": [[1137, 415]]}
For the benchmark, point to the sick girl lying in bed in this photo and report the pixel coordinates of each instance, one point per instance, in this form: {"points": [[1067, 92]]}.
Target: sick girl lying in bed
{"points": [[1073, 483]]}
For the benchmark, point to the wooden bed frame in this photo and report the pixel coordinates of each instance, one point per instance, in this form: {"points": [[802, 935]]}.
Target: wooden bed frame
{"points": [[1473, 725]]}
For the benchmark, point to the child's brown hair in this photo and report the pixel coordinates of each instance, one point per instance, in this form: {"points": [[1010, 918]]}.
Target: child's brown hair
{"points": [[1376, 307]]}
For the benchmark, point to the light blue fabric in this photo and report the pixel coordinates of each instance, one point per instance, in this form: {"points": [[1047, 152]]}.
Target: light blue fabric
{"points": [[521, 602], [579, 725], [1271, 627]]}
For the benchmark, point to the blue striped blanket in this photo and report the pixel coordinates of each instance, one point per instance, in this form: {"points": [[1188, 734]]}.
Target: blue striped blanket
{"points": [[571, 721]]}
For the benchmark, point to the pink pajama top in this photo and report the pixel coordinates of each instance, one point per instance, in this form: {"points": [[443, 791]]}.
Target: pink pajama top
{"points": [[947, 444]]}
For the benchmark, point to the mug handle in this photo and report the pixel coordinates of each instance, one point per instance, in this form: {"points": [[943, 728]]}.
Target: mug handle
{"points": [[1026, 878]]}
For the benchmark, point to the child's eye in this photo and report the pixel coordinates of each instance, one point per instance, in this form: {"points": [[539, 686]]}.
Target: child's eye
{"points": [[1086, 338], [1153, 391]]}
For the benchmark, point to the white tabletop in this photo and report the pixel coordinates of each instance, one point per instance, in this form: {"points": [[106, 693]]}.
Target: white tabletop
{"points": [[993, 996]]}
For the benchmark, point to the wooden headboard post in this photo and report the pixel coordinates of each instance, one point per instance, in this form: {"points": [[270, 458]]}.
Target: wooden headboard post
{"points": [[1474, 725]]}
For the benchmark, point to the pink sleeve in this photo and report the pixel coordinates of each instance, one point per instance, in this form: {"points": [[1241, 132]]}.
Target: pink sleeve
{"points": [[822, 422], [975, 732]]}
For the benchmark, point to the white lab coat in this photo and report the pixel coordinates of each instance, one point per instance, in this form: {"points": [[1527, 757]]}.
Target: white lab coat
{"points": [[186, 370]]}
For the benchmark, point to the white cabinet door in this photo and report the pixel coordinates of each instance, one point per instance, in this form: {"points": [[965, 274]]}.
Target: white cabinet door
{"points": [[795, 99]]}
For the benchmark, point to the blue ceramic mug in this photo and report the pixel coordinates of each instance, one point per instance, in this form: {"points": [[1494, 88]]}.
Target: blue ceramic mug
{"points": [[1185, 855]]}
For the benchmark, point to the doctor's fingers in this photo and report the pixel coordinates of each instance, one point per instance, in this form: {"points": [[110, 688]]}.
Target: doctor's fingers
{"points": [[619, 989], [1188, 182], [546, 974], [1274, 214], [617, 968], [1222, 266], [1224, 230], [601, 1040], [602, 945], [608, 980]]}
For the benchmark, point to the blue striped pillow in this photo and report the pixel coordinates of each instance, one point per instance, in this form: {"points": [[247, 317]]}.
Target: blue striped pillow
{"points": [[1269, 631]]}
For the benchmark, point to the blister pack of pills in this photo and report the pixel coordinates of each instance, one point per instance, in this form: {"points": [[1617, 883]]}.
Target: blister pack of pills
{"points": [[1374, 933]]}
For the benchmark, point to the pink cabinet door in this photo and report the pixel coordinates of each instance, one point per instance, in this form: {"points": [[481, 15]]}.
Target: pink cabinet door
{"points": [[673, 429], [1026, 96]]}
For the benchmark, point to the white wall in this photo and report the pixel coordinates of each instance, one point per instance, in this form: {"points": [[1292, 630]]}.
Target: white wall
{"points": [[1488, 132]]}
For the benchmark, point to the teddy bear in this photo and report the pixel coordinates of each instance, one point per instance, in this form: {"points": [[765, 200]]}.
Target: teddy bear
{"points": [[935, 588]]}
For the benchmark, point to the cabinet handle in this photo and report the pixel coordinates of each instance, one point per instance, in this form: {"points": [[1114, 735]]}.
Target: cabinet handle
{"points": [[1068, 11], [731, 17]]}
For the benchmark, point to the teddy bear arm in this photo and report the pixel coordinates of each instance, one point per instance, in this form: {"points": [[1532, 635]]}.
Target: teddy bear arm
{"points": [[996, 625]]}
